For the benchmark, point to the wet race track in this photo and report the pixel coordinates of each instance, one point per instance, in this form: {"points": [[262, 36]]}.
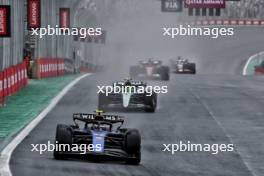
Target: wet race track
{"points": [[217, 105]]}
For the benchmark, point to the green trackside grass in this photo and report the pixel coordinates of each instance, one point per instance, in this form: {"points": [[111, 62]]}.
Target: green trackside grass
{"points": [[251, 66], [25, 105]]}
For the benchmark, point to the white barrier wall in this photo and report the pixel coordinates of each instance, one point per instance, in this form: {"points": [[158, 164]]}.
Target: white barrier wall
{"points": [[11, 49], [82, 14]]}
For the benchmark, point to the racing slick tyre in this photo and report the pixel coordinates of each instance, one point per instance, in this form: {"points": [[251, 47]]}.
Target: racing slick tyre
{"points": [[165, 73], [102, 101], [151, 103], [63, 136], [193, 68], [134, 161], [132, 146]]}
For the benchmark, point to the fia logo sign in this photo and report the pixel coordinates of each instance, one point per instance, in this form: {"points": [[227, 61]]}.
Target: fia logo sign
{"points": [[171, 5]]}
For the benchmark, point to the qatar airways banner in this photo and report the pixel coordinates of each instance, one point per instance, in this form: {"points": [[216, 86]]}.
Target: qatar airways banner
{"points": [[5, 24], [64, 17], [34, 14], [204, 3]]}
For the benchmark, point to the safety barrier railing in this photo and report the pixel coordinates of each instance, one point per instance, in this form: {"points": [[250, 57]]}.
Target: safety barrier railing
{"points": [[12, 79], [49, 67], [247, 22]]}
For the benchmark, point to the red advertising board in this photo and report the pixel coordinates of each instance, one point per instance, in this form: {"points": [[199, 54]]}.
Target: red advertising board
{"points": [[204, 3], [34, 13], [5, 24], [64, 17]]}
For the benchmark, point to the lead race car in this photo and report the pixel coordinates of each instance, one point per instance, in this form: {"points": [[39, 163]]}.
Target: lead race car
{"points": [[103, 134], [133, 95], [150, 69], [181, 65]]}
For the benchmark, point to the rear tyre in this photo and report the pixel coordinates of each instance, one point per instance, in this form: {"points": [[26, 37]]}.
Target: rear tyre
{"points": [[150, 103], [133, 146], [102, 101], [165, 73], [193, 68], [63, 136], [134, 161]]}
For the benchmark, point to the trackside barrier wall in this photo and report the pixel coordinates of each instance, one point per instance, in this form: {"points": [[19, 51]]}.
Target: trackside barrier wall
{"points": [[49, 67], [1, 88], [52, 67], [241, 22], [12, 79]]}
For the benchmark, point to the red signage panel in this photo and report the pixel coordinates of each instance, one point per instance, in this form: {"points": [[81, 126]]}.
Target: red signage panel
{"points": [[64, 17], [34, 13], [204, 3], [5, 23]]}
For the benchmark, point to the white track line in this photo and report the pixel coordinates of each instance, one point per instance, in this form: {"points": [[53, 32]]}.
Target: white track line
{"points": [[249, 60], [208, 109], [8, 150]]}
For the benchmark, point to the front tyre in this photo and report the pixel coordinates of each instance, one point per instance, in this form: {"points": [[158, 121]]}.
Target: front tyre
{"points": [[63, 136], [134, 161], [133, 146], [151, 103]]}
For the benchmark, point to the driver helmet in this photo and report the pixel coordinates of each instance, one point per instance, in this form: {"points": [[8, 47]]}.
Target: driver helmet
{"points": [[127, 82]]}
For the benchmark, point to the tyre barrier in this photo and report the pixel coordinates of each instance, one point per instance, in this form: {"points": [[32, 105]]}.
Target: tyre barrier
{"points": [[236, 22], [12, 79], [49, 67]]}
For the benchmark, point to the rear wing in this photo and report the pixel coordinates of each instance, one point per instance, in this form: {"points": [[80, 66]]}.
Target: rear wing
{"points": [[93, 118], [180, 60], [133, 83], [155, 62]]}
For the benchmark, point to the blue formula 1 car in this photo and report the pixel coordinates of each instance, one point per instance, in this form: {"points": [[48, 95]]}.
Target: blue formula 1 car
{"points": [[100, 135]]}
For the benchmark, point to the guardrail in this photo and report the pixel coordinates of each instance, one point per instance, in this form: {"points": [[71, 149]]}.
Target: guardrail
{"points": [[12, 80], [237, 22], [48, 67]]}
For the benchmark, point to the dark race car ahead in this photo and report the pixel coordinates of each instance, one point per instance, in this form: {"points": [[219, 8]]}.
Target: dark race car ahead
{"points": [[181, 65], [150, 69], [259, 69], [134, 95], [103, 134]]}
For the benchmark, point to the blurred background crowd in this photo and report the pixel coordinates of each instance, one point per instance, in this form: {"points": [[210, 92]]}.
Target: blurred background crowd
{"points": [[244, 9]]}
